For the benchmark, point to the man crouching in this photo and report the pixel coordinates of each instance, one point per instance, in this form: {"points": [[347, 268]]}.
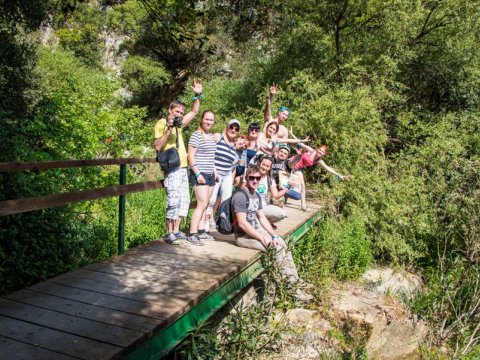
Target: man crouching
{"points": [[253, 230]]}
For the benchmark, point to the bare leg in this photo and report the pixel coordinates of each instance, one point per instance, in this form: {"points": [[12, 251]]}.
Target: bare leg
{"points": [[203, 194]]}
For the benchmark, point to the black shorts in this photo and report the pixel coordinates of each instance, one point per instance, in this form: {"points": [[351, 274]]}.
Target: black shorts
{"points": [[209, 179]]}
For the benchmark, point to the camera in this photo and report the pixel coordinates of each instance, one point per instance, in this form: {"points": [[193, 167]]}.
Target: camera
{"points": [[177, 122]]}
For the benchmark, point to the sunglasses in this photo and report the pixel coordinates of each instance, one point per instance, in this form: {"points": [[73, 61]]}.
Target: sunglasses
{"points": [[252, 178], [233, 127], [254, 130]]}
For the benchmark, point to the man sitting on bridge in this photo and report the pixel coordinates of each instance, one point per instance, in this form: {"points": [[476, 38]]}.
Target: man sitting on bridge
{"points": [[253, 230]]}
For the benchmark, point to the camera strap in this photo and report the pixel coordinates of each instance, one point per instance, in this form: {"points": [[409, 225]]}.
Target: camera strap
{"points": [[176, 140]]}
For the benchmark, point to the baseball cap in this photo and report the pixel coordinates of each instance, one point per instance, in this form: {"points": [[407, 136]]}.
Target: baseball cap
{"points": [[234, 122], [254, 125], [284, 146]]}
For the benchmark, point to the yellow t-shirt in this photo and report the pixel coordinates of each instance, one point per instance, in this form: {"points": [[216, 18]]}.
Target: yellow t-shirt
{"points": [[160, 128]]}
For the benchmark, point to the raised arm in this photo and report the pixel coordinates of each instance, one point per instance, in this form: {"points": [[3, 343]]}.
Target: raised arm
{"points": [[197, 89], [267, 113]]}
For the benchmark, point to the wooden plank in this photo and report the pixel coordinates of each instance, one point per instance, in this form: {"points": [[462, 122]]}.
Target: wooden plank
{"points": [[133, 279], [174, 276], [55, 340], [12, 349], [8, 207], [170, 298], [86, 311], [215, 249], [167, 293], [58, 164], [166, 262], [156, 311], [74, 325]]}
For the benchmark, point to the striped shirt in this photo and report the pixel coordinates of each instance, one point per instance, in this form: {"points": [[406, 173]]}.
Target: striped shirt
{"points": [[225, 157], [205, 155]]}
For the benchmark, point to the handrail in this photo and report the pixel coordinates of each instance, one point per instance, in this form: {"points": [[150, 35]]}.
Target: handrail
{"points": [[9, 207], [59, 164]]}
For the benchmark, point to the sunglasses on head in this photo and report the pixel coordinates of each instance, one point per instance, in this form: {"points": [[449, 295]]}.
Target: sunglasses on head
{"points": [[252, 178]]}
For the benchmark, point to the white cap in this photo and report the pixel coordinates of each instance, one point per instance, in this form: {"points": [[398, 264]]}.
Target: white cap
{"points": [[234, 121]]}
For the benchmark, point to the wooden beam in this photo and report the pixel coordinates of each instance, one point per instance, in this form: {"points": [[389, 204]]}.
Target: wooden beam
{"points": [[44, 165], [9, 207]]}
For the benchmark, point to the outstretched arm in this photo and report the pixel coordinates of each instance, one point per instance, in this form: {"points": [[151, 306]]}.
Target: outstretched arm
{"points": [[330, 169], [197, 89], [267, 114]]}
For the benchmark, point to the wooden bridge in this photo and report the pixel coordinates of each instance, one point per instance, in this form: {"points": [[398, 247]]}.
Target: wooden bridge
{"points": [[138, 305]]}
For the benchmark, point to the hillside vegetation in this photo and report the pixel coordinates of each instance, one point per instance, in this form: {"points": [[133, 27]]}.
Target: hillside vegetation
{"points": [[391, 86]]}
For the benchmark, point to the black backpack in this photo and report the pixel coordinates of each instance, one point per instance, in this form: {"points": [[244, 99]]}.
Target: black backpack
{"points": [[226, 216]]}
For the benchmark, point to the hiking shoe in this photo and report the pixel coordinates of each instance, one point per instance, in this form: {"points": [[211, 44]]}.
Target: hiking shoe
{"points": [[171, 239], [205, 236], [195, 240], [180, 236], [302, 296]]}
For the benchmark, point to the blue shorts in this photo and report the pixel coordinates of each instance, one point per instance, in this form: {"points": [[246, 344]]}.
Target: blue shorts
{"points": [[209, 179]]}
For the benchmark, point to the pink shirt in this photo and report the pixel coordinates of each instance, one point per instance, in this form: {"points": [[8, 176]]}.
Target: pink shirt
{"points": [[305, 161]]}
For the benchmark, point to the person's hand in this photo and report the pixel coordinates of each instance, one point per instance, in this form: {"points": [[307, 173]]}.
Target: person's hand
{"points": [[217, 177], [307, 139], [201, 180], [267, 240], [273, 89], [292, 183], [276, 241], [342, 177], [197, 86]]}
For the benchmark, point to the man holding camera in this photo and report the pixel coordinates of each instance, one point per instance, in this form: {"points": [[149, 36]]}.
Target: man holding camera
{"points": [[168, 134]]}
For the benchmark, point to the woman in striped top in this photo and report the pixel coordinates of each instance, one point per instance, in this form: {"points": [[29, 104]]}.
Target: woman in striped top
{"points": [[201, 156], [225, 161]]}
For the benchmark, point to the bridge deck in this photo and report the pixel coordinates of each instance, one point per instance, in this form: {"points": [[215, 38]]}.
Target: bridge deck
{"points": [[141, 304]]}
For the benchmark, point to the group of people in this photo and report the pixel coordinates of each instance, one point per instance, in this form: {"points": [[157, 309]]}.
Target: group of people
{"points": [[220, 162]]}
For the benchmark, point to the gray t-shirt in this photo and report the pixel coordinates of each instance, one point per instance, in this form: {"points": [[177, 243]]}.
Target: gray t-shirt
{"points": [[239, 204]]}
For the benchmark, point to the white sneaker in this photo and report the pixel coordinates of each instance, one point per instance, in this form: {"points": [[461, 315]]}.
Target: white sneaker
{"points": [[205, 236]]}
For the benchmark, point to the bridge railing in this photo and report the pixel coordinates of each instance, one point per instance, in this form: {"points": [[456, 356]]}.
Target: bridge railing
{"points": [[8, 207]]}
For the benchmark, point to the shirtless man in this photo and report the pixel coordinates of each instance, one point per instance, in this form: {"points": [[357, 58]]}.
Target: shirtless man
{"points": [[283, 114]]}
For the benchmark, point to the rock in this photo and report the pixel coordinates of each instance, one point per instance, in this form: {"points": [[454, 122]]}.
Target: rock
{"points": [[389, 281], [377, 322]]}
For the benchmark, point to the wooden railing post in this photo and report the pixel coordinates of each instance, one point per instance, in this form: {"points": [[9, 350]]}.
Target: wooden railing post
{"points": [[121, 212]]}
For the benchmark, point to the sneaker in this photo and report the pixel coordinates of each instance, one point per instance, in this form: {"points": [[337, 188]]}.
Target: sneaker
{"points": [[171, 239], [205, 236], [195, 240], [180, 236], [302, 296]]}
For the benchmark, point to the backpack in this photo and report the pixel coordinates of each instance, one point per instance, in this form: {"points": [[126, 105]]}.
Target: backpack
{"points": [[226, 216]]}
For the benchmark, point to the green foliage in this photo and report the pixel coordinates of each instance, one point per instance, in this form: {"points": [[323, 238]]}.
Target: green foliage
{"points": [[334, 247], [145, 78], [79, 31]]}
